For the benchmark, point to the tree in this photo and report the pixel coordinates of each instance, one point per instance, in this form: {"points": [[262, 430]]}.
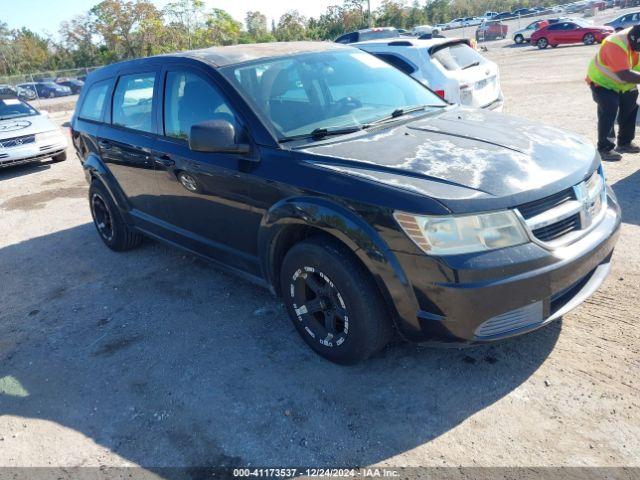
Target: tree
{"points": [[126, 26], [291, 27], [222, 29], [77, 38], [184, 24], [256, 23]]}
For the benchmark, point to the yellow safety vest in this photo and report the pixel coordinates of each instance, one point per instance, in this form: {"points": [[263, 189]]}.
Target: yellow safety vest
{"points": [[601, 75]]}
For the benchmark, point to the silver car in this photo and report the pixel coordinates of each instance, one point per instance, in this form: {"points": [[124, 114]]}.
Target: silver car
{"points": [[625, 21], [26, 135]]}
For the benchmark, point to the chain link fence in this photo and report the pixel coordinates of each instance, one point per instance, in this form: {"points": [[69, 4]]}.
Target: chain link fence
{"points": [[29, 86]]}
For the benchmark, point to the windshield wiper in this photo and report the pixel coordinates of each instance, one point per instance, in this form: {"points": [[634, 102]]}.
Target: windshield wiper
{"points": [[320, 133], [474, 64], [399, 112]]}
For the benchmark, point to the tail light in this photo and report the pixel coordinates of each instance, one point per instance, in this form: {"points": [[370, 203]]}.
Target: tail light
{"points": [[440, 93]]}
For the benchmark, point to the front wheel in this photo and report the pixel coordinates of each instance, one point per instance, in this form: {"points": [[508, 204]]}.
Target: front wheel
{"points": [[589, 39], [542, 43], [519, 39], [113, 230], [333, 301]]}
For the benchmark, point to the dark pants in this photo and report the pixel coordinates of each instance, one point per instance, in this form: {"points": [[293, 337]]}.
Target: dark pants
{"points": [[612, 105]]}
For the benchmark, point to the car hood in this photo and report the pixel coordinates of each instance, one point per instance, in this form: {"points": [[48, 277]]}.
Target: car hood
{"points": [[462, 154], [17, 127]]}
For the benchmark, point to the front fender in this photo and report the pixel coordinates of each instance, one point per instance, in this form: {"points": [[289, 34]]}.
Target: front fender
{"points": [[352, 230]]}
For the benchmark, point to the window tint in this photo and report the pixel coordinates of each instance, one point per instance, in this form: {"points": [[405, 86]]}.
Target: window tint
{"points": [[397, 62], [189, 99], [132, 101], [556, 26], [94, 101]]}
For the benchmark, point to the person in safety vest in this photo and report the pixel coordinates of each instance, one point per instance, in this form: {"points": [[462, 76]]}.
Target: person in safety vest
{"points": [[613, 75]]}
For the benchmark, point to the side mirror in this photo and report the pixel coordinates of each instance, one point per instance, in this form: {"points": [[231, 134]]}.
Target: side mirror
{"points": [[215, 136]]}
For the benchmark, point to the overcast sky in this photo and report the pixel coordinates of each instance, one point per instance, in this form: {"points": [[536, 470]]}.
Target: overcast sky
{"points": [[46, 15]]}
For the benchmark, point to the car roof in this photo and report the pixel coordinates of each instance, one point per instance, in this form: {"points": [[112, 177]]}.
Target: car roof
{"points": [[223, 56], [409, 42]]}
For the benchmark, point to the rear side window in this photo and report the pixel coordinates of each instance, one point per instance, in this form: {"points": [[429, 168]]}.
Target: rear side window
{"points": [[94, 101], [190, 99], [458, 57], [133, 100], [397, 62]]}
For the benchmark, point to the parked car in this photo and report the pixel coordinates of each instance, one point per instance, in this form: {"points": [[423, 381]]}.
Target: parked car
{"points": [[425, 31], [489, 15], [456, 23], [73, 83], [9, 91], [450, 67], [46, 89], [368, 34], [624, 21], [26, 135], [492, 30], [367, 204], [563, 33], [504, 16], [523, 12], [524, 35]]}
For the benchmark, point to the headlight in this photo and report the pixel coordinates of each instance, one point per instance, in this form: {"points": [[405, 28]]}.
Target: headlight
{"points": [[451, 235], [50, 135]]}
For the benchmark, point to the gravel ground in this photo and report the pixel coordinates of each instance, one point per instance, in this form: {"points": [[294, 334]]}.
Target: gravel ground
{"points": [[155, 358]]}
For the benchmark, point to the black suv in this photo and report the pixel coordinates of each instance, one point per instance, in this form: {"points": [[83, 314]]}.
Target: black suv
{"points": [[359, 196]]}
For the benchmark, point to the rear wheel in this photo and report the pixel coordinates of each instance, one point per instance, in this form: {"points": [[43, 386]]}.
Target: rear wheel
{"points": [[333, 302], [589, 39], [113, 230], [542, 43], [519, 39]]}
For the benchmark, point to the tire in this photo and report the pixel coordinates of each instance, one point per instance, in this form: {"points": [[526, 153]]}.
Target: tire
{"points": [[51, 94], [61, 157], [542, 43], [333, 301], [519, 39], [111, 227], [589, 39]]}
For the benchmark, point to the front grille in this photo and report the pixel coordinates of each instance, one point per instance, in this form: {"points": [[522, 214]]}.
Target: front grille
{"points": [[558, 229], [566, 216], [17, 141], [531, 209]]}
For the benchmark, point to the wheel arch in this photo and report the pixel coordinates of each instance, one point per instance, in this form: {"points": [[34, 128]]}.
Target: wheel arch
{"points": [[292, 220], [95, 169]]}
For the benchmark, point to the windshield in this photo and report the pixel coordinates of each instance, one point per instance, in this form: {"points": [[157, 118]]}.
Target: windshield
{"points": [[14, 108], [299, 94], [458, 57]]}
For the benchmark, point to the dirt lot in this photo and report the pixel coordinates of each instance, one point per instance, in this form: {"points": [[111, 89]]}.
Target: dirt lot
{"points": [[155, 358]]}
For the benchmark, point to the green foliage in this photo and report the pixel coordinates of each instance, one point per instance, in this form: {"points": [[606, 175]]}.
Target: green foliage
{"points": [[113, 30]]}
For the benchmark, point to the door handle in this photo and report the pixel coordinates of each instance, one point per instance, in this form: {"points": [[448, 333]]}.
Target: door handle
{"points": [[165, 160]]}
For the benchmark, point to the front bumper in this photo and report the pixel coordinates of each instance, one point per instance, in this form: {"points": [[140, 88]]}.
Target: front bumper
{"points": [[503, 293], [32, 152]]}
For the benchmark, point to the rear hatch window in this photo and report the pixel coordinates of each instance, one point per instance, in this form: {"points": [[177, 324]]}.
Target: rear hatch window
{"points": [[459, 56]]}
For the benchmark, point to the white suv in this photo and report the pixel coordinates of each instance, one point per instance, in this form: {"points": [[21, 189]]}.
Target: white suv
{"points": [[450, 67]]}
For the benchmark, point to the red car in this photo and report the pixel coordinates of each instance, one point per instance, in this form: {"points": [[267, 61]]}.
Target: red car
{"points": [[570, 32]]}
